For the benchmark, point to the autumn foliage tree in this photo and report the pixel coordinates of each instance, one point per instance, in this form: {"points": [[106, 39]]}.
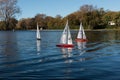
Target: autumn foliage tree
{"points": [[8, 11], [90, 16]]}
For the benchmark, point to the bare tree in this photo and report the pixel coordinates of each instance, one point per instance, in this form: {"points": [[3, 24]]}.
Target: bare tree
{"points": [[87, 8], [8, 10]]}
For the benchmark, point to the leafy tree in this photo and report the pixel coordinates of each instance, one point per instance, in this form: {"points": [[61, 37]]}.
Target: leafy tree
{"points": [[49, 23], [91, 17], [40, 19], [2, 25], [13, 22]]}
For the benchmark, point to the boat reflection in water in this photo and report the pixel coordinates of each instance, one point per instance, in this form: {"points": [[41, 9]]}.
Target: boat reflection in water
{"points": [[81, 47], [67, 54], [38, 46], [69, 57]]}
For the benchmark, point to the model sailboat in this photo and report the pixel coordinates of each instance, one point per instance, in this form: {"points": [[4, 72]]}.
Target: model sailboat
{"points": [[38, 33], [81, 37], [66, 40]]}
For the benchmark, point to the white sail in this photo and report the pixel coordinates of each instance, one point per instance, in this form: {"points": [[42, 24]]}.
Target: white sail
{"points": [[81, 33], [69, 36], [84, 36], [38, 33], [66, 36]]}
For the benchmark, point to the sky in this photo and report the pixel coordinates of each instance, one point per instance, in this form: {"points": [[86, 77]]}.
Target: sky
{"points": [[29, 8]]}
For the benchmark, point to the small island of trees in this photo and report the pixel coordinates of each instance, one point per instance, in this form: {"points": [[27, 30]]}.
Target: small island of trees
{"points": [[91, 17]]}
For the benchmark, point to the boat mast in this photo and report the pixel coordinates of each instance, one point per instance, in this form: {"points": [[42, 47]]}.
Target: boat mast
{"points": [[67, 32]]}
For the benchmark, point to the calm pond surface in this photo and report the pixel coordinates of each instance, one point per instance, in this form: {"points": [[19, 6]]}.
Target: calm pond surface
{"points": [[22, 57]]}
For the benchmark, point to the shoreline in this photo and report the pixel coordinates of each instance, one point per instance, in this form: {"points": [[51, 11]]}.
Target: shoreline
{"points": [[78, 29], [70, 29]]}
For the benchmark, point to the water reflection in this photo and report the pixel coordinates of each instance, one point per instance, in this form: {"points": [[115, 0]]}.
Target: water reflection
{"points": [[62, 63], [103, 35], [67, 54], [38, 46], [10, 48], [67, 60], [81, 49], [81, 45]]}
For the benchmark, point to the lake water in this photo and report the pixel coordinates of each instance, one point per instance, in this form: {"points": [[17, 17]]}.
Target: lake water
{"points": [[22, 57]]}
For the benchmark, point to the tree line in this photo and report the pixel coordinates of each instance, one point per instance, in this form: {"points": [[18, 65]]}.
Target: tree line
{"points": [[90, 16]]}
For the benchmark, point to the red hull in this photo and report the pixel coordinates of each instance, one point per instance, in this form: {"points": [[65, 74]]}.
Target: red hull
{"points": [[81, 40], [65, 45]]}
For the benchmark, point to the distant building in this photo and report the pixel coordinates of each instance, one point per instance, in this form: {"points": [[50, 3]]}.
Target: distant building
{"points": [[111, 23], [41, 28]]}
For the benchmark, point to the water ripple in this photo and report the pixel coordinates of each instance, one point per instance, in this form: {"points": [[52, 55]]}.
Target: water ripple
{"points": [[22, 57]]}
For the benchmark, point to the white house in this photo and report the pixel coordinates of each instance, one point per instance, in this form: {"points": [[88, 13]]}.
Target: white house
{"points": [[111, 23]]}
